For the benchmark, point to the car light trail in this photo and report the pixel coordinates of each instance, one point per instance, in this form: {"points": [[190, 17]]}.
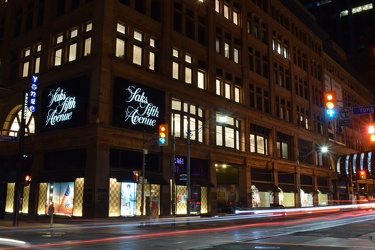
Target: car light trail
{"points": [[305, 210]]}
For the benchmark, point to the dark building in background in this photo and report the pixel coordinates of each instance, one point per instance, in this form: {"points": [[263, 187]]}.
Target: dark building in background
{"points": [[351, 24]]}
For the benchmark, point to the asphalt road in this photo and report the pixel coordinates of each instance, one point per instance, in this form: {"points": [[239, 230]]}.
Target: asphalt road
{"points": [[333, 230]]}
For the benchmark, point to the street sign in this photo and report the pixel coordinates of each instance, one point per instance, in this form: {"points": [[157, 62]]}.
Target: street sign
{"points": [[183, 177], [363, 110], [8, 138], [345, 113]]}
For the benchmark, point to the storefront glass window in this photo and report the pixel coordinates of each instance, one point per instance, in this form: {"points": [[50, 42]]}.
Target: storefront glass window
{"points": [[61, 195], [128, 198]]}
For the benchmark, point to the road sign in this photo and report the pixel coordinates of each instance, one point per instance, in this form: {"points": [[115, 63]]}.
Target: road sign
{"points": [[363, 110], [8, 138], [345, 113]]}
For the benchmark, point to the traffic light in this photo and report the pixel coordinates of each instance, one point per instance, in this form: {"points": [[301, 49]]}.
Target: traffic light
{"points": [[371, 131], [136, 175], [330, 102], [163, 135], [27, 180], [362, 174]]}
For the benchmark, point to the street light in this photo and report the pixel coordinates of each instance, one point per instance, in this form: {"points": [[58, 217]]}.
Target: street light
{"points": [[221, 119]]}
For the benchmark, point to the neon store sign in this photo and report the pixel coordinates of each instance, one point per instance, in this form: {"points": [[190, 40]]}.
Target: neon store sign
{"points": [[32, 93], [60, 107], [140, 110]]}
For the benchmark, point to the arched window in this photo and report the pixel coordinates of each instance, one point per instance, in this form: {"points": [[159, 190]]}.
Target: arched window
{"points": [[13, 122]]}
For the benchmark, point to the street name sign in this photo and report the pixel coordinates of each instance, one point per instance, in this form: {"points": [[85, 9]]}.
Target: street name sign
{"points": [[363, 110], [8, 138]]}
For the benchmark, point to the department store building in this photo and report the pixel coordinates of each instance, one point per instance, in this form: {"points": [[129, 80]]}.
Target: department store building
{"points": [[95, 79]]}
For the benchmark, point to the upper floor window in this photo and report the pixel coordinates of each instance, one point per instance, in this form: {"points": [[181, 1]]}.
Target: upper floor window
{"points": [[256, 27], [281, 76], [30, 60], [305, 151], [258, 62], [141, 48], [228, 10], [228, 90], [302, 87], [185, 67], [72, 44], [300, 58], [259, 98], [316, 70], [228, 132], [189, 22], [284, 146], [259, 139], [283, 109], [303, 117], [228, 46], [318, 124], [184, 113], [280, 45]]}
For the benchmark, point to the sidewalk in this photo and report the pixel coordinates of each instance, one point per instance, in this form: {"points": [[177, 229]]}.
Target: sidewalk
{"points": [[58, 222]]}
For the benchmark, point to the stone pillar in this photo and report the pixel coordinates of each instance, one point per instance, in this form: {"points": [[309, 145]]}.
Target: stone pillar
{"points": [[212, 191], [96, 187]]}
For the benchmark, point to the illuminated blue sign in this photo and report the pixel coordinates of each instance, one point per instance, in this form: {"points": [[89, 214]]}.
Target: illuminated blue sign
{"points": [[33, 88]]}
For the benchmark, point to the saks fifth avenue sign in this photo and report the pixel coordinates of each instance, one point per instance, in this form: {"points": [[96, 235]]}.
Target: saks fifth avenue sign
{"points": [[64, 105], [61, 107], [136, 106], [140, 110]]}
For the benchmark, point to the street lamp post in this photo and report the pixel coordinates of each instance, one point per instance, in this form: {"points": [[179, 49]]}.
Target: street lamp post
{"points": [[188, 170], [351, 183], [222, 119], [299, 182], [144, 152]]}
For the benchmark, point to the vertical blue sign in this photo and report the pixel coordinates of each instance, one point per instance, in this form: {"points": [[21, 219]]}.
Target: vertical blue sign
{"points": [[33, 88]]}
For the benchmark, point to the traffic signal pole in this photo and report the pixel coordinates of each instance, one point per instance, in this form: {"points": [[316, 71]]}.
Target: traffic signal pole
{"points": [[21, 145], [143, 174]]}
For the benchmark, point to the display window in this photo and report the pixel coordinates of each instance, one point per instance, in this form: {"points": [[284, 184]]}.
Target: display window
{"points": [[128, 198], [61, 195]]}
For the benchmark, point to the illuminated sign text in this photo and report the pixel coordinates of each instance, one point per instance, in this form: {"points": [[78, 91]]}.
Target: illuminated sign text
{"points": [[140, 111], [60, 106]]}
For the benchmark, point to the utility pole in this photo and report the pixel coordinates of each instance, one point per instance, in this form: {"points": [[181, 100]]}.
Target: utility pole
{"points": [[188, 165], [144, 152]]}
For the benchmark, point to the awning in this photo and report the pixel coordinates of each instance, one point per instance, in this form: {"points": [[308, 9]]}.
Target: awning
{"points": [[309, 189], [195, 181], [288, 188], [324, 190], [57, 176], [265, 186], [350, 164], [154, 178], [122, 176], [127, 176]]}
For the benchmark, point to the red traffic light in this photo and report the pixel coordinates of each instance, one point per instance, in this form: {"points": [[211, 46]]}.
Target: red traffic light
{"points": [[136, 175], [362, 174], [371, 129], [330, 99], [163, 135]]}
